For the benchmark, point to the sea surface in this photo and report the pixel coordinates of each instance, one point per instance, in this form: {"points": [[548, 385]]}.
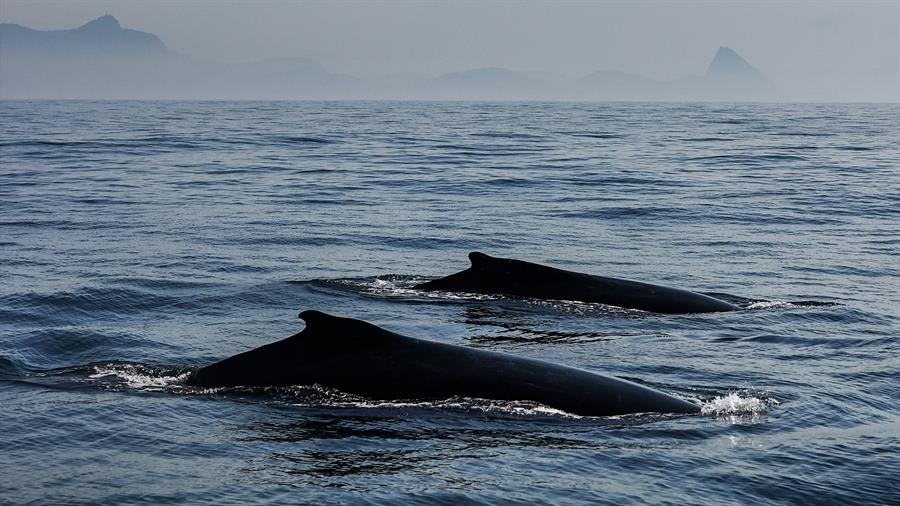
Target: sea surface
{"points": [[141, 240]]}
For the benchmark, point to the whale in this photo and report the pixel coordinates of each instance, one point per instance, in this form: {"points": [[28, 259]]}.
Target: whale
{"points": [[517, 278], [359, 358]]}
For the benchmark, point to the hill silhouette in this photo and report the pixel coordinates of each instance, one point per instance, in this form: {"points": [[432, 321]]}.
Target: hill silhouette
{"points": [[728, 64], [105, 61], [103, 34]]}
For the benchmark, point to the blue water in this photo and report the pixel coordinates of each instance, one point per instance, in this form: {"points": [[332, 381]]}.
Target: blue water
{"points": [[139, 240]]}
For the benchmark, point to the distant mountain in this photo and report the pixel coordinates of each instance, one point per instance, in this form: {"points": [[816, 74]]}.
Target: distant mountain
{"points": [[103, 34], [105, 61], [730, 75], [727, 64]]}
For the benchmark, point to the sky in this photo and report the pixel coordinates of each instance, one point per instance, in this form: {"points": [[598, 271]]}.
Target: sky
{"points": [[811, 50]]}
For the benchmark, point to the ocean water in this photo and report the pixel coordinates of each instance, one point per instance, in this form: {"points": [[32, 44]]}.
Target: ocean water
{"points": [[140, 240]]}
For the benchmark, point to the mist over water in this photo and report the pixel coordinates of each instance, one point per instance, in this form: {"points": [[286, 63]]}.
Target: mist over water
{"points": [[140, 240], [812, 52], [501, 50]]}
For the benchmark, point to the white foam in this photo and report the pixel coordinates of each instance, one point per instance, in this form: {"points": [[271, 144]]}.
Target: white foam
{"points": [[735, 404], [383, 284], [518, 408], [403, 288], [317, 395], [138, 376], [772, 304]]}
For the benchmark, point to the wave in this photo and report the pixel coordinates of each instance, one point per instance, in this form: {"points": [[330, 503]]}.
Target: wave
{"points": [[747, 159], [600, 135], [154, 144], [91, 301], [841, 343], [9, 368], [854, 148], [707, 139], [508, 135], [299, 139], [803, 134], [627, 213], [730, 121]]}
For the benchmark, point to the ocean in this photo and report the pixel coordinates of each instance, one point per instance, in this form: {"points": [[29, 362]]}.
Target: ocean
{"points": [[141, 240]]}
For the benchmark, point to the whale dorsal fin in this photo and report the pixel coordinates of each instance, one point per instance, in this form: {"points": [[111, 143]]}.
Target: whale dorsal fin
{"points": [[314, 318], [479, 259], [317, 322], [325, 330]]}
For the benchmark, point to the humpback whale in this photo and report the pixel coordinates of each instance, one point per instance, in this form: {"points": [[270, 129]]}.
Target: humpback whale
{"points": [[506, 276], [359, 358]]}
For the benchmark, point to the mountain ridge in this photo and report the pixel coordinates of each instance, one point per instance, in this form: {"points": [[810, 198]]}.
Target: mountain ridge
{"points": [[101, 59]]}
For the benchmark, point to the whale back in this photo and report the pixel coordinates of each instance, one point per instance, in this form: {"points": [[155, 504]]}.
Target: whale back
{"points": [[359, 358], [506, 276]]}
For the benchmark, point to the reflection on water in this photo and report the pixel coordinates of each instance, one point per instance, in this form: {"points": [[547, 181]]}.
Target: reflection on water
{"points": [[328, 446], [528, 327]]}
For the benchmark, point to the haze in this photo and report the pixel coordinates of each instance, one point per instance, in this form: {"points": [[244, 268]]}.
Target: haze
{"points": [[810, 51]]}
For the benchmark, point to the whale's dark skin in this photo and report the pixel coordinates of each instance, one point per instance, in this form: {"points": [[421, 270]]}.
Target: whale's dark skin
{"points": [[505, 276], [359, 358]]}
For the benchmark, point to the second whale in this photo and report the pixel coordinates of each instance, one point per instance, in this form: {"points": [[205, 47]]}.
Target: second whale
{"points": [[506, 276]]}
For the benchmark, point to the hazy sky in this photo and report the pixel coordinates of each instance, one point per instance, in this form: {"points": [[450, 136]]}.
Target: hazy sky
{"points": [[824, 48]]}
